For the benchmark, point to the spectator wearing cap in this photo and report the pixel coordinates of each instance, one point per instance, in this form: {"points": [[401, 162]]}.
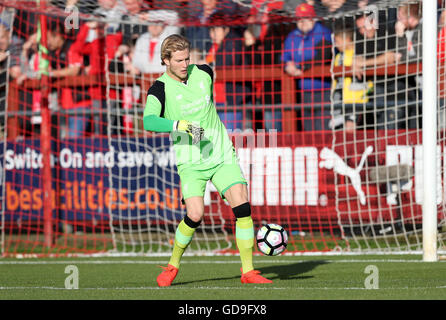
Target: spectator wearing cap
{"points": [[306, 46], [147, 53]]}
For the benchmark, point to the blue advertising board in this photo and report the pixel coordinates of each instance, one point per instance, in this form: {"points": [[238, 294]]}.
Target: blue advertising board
{"points": [[93, 178]]}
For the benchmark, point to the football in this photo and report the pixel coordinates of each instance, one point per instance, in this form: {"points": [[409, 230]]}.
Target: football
{"points": [[272, 239]]}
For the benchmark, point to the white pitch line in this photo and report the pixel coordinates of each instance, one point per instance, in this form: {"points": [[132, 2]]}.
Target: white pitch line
{"points": [[161, 262], [221, 288], [146, 288]]}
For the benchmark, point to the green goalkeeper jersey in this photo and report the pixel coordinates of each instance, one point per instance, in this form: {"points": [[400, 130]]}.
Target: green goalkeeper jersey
{"points": [[191, 100]]}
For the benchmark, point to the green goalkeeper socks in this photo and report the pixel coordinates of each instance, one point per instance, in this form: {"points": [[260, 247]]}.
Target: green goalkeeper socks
{"points": [[244, 236], [183, 237]]}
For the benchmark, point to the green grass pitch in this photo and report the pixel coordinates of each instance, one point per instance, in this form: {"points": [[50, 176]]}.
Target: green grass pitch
{"points": [[218, 278]]}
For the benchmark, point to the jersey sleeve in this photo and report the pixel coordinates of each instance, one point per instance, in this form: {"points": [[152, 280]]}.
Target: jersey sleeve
{"points": [[157, 124], [207, 69], [153, 118], [156, 99]]}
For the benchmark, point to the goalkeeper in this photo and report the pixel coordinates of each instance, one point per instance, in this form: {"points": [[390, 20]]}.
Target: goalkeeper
{"points": [[181, 102]]}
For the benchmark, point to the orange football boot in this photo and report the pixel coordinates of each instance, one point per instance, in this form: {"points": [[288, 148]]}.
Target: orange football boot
{"points": [[166, 277], [253, 276]]}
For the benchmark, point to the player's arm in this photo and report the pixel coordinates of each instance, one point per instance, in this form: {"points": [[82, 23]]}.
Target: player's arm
{"points": [[153, 118], [158, 124]]}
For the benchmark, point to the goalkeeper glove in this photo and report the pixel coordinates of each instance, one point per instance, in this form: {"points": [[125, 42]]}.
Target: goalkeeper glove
{"points": [[194, 131]]}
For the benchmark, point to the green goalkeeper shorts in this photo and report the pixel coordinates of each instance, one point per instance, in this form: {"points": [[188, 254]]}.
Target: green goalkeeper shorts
{"points": [[223, 176]]}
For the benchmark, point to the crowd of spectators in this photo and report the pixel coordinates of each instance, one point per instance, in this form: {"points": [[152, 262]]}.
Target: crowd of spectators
{"points": [[128, 41]]}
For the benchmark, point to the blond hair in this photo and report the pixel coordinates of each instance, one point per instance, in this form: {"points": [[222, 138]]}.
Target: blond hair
{"points": [[171, 44]]}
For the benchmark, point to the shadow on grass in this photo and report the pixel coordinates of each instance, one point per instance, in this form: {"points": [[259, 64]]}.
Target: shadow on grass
{"points": [[291, 271], [282, 272]]}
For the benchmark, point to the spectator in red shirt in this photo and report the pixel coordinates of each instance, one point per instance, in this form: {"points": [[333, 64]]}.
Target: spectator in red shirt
{"points": [[98, 49], [62, 65]]}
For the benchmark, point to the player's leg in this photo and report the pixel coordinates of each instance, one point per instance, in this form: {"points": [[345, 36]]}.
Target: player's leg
{"points": [[193, 188], [231, 184], [186, 228], [237, 196]]}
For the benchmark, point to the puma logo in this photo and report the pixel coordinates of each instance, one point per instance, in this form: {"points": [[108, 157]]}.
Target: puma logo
{"points": [[331, 160]]}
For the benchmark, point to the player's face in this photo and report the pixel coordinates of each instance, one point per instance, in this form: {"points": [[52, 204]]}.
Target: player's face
{"points": [[177, 65]]}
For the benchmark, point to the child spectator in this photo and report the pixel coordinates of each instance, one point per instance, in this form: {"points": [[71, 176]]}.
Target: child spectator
{"points": [[348, 89]]}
